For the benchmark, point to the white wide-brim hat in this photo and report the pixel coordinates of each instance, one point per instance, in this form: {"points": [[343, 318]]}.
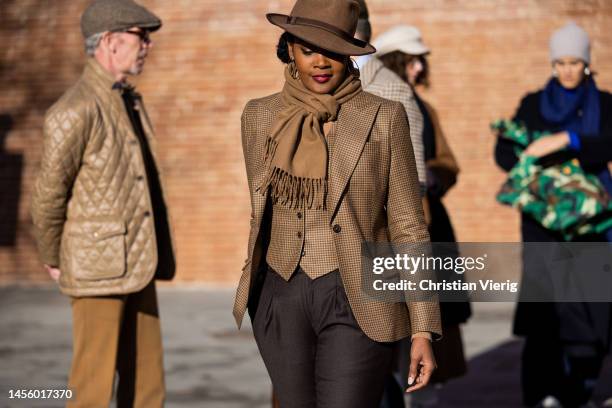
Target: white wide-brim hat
{"points": [[404, 38]]}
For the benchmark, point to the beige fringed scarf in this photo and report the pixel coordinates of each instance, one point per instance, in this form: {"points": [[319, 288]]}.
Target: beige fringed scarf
{"points": [[296, 150]]}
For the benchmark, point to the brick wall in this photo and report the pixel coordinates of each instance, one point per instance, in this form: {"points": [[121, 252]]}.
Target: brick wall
{"points": [[213, 55]]}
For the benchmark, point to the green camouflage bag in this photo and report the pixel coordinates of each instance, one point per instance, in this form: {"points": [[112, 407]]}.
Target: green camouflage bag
{"points": [[562, 198]]}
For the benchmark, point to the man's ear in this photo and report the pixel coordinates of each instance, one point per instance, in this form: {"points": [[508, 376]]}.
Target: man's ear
{"points": [[109, 42]]}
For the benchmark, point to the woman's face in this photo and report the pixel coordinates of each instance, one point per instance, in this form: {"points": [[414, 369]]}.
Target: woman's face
{"points": [[413, 70], [320, 71], [570, 71]]}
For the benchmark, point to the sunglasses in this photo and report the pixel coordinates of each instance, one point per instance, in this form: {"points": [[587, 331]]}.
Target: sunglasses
{"points": [[144, 35]]}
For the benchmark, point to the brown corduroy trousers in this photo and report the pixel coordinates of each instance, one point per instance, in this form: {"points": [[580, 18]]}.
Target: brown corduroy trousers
{"points": [[117, 334]]}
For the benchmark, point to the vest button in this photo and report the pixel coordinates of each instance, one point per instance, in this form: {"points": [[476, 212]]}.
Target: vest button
{"points": [[337, 228], [299, 234]]}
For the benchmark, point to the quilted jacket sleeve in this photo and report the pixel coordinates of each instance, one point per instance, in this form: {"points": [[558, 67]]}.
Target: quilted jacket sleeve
{"points": [[65, 135]]}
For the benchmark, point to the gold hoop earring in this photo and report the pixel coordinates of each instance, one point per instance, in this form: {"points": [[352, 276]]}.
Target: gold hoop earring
{"points": [[293, 71]]}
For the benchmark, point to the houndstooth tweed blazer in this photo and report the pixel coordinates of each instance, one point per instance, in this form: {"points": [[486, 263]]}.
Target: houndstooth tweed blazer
{"points": [[373, 196]]}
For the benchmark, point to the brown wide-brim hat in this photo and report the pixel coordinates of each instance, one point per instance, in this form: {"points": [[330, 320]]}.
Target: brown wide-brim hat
{"points": [[327, 24]]}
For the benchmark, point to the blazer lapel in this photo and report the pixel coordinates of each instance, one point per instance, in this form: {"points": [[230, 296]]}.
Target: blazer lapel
{"points": [[355, 121]]}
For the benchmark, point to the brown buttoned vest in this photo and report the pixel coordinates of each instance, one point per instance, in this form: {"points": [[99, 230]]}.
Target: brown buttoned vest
{"points": [[303, 237]]}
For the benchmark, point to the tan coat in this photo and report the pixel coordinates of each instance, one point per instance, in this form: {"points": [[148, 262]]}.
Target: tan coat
{"points": [[444, 165], [91, 205], [373, 196]]}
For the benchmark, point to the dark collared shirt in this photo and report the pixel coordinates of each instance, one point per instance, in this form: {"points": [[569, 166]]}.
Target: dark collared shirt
{"points": [[160, 214]]}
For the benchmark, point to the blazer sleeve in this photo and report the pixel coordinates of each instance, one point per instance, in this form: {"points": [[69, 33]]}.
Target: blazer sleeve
{"points": [[405, 216], [248, 132], [65, 135]]}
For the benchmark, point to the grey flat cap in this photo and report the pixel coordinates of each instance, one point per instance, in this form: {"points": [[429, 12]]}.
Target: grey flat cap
{"points": [[116, 15]]}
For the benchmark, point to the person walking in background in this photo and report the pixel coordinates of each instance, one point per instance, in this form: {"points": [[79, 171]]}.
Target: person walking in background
{"points": [[378, 80], [100, 216], [565, 343], [402, 51], [329, 167]]}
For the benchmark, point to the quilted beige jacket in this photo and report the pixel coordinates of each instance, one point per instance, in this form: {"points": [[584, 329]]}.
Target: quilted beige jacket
{"points": [[91, 205], [373, 197]]}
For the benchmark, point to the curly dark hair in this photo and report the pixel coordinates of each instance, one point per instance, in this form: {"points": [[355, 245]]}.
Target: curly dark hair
{"points": [[282, 52], [282, 48], [397, 62]]}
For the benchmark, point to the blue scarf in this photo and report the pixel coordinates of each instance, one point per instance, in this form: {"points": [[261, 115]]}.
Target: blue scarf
{"points": [[560, 107]]}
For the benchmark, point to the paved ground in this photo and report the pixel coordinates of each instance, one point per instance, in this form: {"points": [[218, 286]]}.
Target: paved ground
{"points": [[211, 364]]}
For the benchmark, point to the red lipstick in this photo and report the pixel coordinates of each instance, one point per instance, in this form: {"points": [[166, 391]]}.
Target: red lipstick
{"points": [[322, 78]]}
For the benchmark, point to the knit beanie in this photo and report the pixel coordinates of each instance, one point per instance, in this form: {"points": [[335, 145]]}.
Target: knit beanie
{"points": [[570, 41]]}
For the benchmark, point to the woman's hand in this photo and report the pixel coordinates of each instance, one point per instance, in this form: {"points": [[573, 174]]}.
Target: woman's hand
{"points": [[422, 364], [548, 144], [53, 272]]}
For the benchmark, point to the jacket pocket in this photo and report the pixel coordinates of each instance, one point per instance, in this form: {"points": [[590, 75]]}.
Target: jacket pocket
{"points": [[95, 250]]}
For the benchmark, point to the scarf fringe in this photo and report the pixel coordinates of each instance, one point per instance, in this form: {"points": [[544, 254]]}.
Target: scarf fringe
{"points": [[294, 192]]}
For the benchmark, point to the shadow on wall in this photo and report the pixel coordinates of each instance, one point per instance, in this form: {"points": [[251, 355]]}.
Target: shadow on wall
{"points": [[11, 169], [49, 68]]}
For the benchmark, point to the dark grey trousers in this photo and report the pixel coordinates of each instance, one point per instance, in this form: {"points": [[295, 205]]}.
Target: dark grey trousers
{"points": [[313, 348]]}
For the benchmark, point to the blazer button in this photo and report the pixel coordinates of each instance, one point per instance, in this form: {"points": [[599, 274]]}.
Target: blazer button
{"points": [[299, 234], [337, 228], [299, 215], [139, 178], [147, 213]]}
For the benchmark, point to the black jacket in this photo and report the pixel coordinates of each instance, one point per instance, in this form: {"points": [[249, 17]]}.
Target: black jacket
{"points": [[579, 322], [595, 152]]}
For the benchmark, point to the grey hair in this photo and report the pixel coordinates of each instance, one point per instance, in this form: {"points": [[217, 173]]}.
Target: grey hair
{"points": [[92, 42]]}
